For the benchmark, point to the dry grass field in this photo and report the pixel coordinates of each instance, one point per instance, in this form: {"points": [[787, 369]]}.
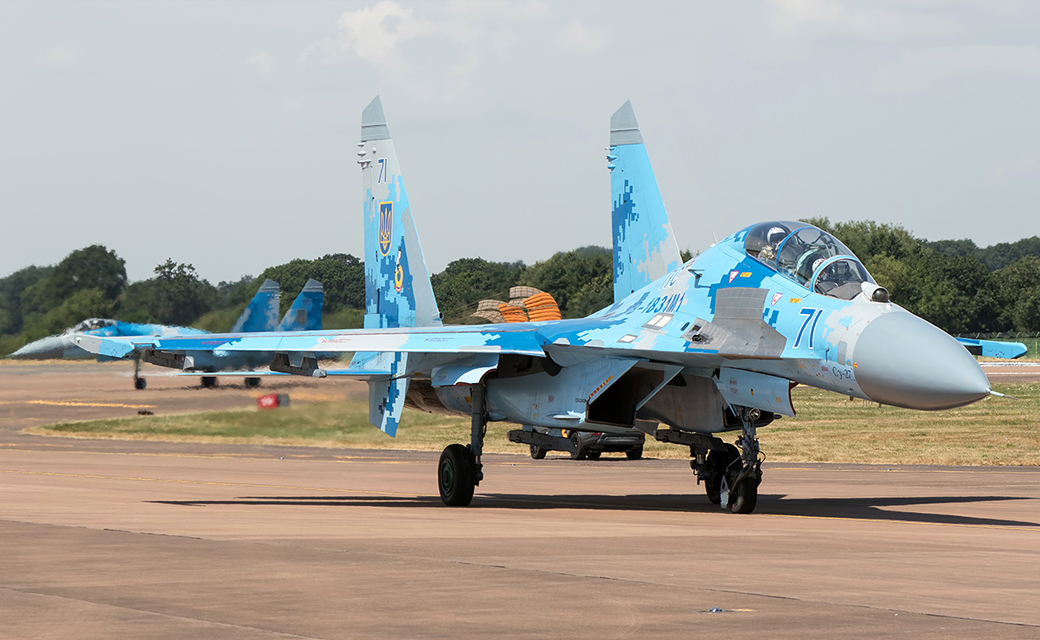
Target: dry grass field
{"points": [[828, 428]]}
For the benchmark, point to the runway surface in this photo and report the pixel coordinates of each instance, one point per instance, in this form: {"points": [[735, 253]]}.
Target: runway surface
{"points": [[159, 540]]}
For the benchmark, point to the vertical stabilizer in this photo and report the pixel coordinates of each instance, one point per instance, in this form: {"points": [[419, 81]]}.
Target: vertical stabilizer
{"points": [[644, 246], [398, 292], [305, 312], [262, 312]]}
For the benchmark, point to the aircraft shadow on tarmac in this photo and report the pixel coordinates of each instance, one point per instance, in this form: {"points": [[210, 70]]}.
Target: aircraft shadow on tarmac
{"points": [[844, 508]]}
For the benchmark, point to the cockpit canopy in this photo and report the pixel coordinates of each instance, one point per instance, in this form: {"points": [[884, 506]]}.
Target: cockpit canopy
{"points": [[92, 324], [810, 256]]}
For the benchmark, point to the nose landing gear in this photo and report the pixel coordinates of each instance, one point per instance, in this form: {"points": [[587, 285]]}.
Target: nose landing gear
{"points": [[740, 482]]}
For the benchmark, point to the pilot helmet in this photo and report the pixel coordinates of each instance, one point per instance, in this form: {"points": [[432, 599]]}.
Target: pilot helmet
{"points": [[776, 235]]}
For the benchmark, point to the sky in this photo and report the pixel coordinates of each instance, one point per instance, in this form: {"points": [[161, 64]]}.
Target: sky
{"points": [[223, 134]]}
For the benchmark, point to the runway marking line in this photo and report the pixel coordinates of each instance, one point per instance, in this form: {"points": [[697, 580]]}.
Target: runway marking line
{"points": [[71, 403], [210, 482]]}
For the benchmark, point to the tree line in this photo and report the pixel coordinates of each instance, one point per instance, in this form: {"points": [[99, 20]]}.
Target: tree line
{"points": [[953, 284]]}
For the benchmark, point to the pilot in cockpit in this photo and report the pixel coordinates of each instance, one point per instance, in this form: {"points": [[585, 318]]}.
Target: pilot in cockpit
{"points": [[775, 236]]}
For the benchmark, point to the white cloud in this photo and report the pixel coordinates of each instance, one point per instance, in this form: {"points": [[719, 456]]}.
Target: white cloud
{"points": [[919, 69], [581, 38], [263, 61], [881, 21], [444, 53], [373, 33], [61, 57]]}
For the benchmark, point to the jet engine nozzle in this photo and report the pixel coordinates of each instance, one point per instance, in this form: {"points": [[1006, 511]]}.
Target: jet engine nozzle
{"points": [[903, 361]]}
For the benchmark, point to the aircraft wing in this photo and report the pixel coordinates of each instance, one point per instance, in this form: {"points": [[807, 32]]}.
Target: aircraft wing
{"points": [[432, 340]]}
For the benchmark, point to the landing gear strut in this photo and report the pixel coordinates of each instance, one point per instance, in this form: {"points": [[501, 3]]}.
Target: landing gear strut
{"points": [[740, 482], [460, 469], [139, 382]]}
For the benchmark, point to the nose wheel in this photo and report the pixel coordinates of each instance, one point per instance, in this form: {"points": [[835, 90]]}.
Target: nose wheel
{"points": [[740, 482]]}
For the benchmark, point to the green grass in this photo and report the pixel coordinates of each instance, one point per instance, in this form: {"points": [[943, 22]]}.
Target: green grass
{"points": [[832, 428], [828, 428]]}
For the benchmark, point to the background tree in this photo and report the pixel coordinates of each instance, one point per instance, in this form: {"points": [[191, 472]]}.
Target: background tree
{"points": [[465, 282], [174, 296], [93, 267], [566, 275], [11, 289], [341, 274]]}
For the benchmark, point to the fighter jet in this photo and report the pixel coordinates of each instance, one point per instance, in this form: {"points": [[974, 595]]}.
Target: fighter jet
{"points": [[701, 348], [261, 314]]}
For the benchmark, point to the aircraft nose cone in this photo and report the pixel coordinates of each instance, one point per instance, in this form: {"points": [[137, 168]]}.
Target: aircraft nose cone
{"points": [[903, 361], [51, 347]]}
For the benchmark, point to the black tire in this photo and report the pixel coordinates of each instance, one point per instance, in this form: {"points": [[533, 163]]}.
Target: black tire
{"points": [[209, 382], [537, 452], [593, 455], [634, 454], [455, 476], [252, 383], [140, 384], [579, 452], [744, 496], [717, 462]]}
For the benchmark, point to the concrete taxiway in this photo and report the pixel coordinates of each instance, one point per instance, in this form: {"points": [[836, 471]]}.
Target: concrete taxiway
{"points": [[109, 539]]}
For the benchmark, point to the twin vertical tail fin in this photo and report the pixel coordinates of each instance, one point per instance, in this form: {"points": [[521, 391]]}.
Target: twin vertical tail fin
{"points": [[262, 312], [644, 246], [306, 309], [398, 292]]}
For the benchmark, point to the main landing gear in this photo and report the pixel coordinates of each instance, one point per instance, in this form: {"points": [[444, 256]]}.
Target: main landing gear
{"points": [[139, 382], [460, 469], [731, 475]]}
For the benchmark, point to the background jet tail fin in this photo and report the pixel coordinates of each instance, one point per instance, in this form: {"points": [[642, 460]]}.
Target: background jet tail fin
{"points": [[262, 312], [306, 309], [644, 246], [398, 292]]}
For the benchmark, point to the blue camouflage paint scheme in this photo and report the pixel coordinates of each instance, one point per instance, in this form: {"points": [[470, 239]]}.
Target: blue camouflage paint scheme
{"points": [[261, 314], [644, 247], [306, 310], [726, 319]]}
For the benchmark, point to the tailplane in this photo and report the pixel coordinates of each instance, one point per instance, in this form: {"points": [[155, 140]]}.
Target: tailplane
{"points": [[398, 292], [262, 312], [644, 246], [305, 312]]}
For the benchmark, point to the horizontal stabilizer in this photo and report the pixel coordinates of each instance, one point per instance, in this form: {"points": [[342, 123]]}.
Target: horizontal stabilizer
{"points": [[386, 398], [994, 349]]}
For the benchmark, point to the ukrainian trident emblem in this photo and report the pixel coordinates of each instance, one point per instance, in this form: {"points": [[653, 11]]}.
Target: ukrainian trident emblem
{"points": [[386, 226]]}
